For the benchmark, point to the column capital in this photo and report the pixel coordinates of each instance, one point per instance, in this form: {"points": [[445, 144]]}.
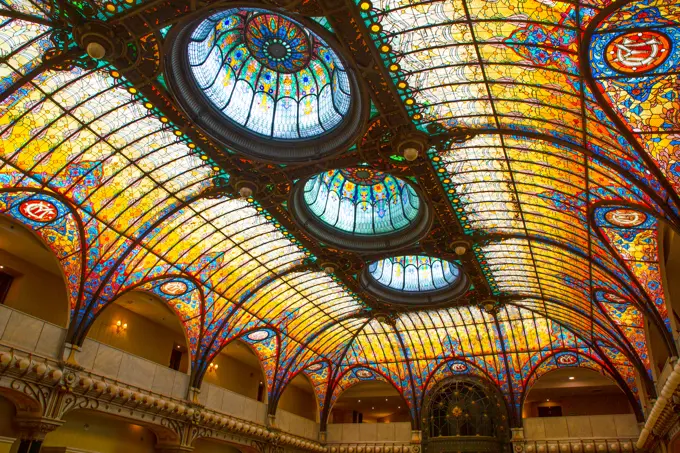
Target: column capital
{"points": [[35, 428]]}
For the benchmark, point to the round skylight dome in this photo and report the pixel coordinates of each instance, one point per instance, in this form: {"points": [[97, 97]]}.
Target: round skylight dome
{"points": [[361, 209], [414, 279], [265, 84]]}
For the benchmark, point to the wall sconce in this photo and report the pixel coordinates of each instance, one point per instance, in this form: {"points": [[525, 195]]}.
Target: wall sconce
{"points": [[212, 367], [121, 326]]}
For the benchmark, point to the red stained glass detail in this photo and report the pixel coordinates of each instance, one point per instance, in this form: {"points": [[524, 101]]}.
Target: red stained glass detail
{"points": [[38, 210], [638, 51]]}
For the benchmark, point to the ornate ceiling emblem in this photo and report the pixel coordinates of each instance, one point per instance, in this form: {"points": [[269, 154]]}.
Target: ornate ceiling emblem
{"points": [[174, 288], [625, 218], [364, 374], [258, 335], [38, 210], [459, 367], [567, 359], [638, 51], [315, 367]]}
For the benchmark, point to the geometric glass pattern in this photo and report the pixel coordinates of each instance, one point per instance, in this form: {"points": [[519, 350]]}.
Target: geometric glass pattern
{"points": [[269, 74], [415, 273], [362, 201]]}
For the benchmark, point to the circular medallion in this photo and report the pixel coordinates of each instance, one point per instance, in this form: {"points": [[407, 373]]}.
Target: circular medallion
{"points": [[258, 335], [315, 367], [626, 218], [174, 288], [278, 43], [363, 176], [38, 210], [637, 52], [364, 374], [567, 359], [459, 367]]}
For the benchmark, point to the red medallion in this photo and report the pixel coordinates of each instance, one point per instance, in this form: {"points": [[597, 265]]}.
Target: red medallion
{"points": [[638, 51], [38, 210]]}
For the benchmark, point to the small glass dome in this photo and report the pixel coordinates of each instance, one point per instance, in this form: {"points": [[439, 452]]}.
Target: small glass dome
{"points": [[269, 74], [265, 76], [414, 273], [414, 280], [361, 209], [362, 201]]}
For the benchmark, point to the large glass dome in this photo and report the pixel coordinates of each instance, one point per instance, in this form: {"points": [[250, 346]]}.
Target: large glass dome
{"points": [[266, 76], [361, 209], [414, 280], [415, 273], [362, 201]]}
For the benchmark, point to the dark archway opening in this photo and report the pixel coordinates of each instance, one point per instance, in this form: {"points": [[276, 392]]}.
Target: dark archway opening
{"points": [[574, 392], [370, 402], [465, 415]]}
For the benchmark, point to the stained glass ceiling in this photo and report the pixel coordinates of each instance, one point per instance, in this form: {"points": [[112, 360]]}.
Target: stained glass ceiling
{"points": [[549, 167]]}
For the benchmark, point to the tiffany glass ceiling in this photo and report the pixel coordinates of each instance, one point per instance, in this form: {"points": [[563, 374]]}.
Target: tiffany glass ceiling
{"points": [[549, 133]]}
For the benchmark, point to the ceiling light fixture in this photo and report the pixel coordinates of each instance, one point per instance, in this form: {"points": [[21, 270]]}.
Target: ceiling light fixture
{"points": [[571, 378]]}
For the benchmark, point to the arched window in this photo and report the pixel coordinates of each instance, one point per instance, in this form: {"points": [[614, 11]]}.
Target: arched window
{"points": [[463, 408]]}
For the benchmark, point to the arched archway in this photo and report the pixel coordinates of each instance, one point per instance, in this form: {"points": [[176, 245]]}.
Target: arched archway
{"points": [[31, 277], [370, 401], [299, 398], [140, 323], [574, 391], [238, 368], [465, 414]]}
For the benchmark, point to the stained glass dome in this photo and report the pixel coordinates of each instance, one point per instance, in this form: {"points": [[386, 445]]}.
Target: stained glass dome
{"points": [[414, 279], [414, 273], [360, 203], [267, 77]]}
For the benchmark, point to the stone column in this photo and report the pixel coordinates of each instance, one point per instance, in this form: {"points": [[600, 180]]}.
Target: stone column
{"points": [[32, 432], [517, 439]]}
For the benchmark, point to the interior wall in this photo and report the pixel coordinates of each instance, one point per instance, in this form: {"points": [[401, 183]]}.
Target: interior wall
{"points": [[35, 291], [211, 446], [7, 413], [582, 405], [298, 398], [142, 337], [92, 431], [235, 375]]}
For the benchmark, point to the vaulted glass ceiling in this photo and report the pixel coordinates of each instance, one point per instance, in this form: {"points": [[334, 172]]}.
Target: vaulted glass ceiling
{"points": [[568, 139]]}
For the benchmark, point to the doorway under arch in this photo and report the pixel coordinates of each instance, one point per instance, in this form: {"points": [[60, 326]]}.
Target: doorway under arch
{"points": [[142, 324], [370, 402], [238, 368], [465, 414], [574, 391], [31, 277]]}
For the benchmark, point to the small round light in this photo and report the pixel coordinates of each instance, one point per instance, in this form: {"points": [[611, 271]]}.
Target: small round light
{"points": [[460, 250], [204, 157], [245, 192], [571, 378], [410, 154], [164, 119], [132, 90], [178, 133], [402, 85], [410, 101], [394, 67], [95, 51], [365, 6], [110, 7], [375, 28], [148, 105], [385, 48]]}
